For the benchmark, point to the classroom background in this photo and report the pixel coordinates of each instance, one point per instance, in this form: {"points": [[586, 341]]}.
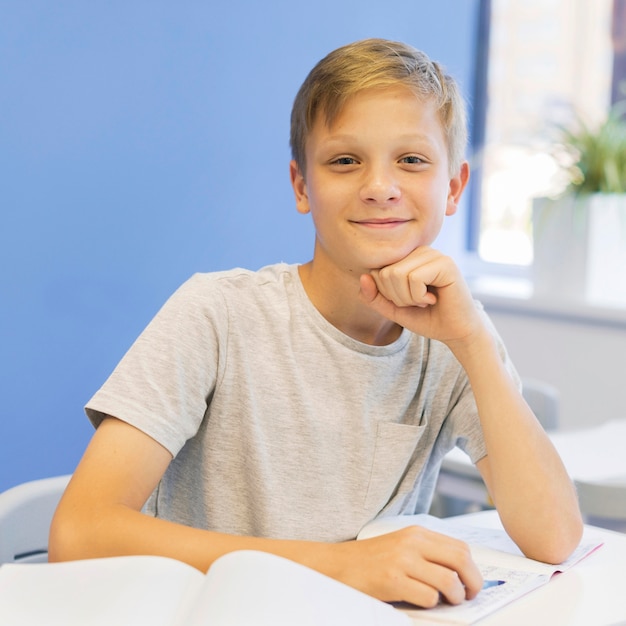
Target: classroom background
{"points": [[142, 141]]}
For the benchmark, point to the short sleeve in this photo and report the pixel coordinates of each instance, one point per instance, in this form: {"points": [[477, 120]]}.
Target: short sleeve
{"points": [[163, 383]]}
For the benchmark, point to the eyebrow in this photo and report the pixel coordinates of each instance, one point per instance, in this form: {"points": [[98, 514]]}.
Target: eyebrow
{"points": [[408, 137]]}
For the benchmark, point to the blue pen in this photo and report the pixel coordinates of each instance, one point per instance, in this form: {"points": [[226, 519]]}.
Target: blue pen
{"points": [[493, 583]]}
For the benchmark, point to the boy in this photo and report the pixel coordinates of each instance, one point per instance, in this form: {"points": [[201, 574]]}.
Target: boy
{"points": [[283, 409]]}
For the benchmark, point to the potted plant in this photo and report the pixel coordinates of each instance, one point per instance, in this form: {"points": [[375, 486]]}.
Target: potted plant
{"points": [[580, 236]]}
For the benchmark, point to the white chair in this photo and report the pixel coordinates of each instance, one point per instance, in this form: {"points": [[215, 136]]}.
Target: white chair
{"points": [[25, 515], [544, 400], [603, 504]]}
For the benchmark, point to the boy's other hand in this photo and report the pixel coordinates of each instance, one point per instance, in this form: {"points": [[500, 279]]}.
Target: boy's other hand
{"points": [[413, 565], [425, 293]]}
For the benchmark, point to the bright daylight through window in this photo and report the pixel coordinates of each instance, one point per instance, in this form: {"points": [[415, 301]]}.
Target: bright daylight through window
{"points": [[548, 61]]}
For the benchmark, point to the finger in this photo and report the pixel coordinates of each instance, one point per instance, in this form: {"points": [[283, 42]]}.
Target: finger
{"points": [[369, 290], [427, 278], [393, 282], [373, 298], [389, 283], [370, 294], [445, 581], [417, 592], [450, 567], [458, 577], [419, 290], [407, 282], [430, 584], [384, 285]]}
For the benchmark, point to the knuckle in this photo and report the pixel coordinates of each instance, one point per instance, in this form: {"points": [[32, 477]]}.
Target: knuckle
{"points": [[460, 547], [415, 278], [449, 580], [410, 535], [384, 273], [391, 273], [464, 553]]}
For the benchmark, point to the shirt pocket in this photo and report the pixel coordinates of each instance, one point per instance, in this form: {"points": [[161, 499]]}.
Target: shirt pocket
{"points": [[395, 445]]}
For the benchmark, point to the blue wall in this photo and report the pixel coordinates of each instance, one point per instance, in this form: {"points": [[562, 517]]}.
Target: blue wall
{"points": [[141, 141]]}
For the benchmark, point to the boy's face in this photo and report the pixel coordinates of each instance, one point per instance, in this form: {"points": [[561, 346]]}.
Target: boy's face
{"points": [[377, 182]]}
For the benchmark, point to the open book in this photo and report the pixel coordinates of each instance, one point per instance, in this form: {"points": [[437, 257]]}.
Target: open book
{"points": [[509, 573], [248, 588], [245, 588]]}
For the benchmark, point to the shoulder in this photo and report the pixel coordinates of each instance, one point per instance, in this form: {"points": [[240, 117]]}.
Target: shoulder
{"points": [[236, 294], [204, 287], [202, 282]]}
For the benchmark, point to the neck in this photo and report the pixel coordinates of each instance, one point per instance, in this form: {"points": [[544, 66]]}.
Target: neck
{"points": [[336, 296]]}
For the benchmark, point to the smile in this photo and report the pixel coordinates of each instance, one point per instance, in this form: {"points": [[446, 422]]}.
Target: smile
{"points": [[389, 222]]}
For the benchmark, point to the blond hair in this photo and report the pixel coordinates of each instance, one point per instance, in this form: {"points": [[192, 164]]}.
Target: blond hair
{"points": [[374, 63]]}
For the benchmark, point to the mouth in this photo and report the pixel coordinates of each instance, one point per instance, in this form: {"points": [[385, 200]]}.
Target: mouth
{"points": [[386, 222]]}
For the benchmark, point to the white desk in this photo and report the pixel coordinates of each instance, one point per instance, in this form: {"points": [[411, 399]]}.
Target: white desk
{"points": [[592, 593], [596, 454]]}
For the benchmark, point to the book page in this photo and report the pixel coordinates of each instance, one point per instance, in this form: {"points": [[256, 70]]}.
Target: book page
{"points": [[250, 587], [487, 601], [124, 591], [497, 557]]}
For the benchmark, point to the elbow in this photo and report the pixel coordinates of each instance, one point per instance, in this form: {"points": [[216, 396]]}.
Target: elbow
{"points": [[568, 533], [558, 544], [556, 552], [61, 539], [570, 540], [67, 539]]}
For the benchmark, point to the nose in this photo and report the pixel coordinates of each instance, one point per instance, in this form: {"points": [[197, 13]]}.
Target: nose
{"points": [[379, 186]]}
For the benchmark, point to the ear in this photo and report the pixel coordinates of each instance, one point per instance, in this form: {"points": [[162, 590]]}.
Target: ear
{"points": [[457, 185], [299, 188]]}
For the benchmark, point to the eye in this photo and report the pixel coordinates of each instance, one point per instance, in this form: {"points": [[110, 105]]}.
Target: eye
{"points": [[344, 160], [411, 160]]}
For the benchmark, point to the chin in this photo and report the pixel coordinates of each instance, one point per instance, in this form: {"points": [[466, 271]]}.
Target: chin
{"points": [[381, 261]]}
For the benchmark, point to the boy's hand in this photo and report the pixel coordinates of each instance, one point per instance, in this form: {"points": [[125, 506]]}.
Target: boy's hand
{"points": [[425, 293], [413, 565]]}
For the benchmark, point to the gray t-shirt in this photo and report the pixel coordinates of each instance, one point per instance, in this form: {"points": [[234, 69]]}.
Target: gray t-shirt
{"points": [[281, 425]]}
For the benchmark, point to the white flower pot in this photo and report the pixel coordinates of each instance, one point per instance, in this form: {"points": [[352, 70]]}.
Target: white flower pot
{"points": [[579, 246]]}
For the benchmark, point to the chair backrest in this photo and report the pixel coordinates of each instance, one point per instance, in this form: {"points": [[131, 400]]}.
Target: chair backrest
{"points": [[603, 504], [25, 515], [544, 401]]}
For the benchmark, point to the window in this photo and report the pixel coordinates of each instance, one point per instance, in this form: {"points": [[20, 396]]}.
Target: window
{"points": [[545, 61]]}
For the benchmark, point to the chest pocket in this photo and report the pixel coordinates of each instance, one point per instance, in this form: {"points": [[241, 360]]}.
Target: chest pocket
{"points": [[395, 445]]}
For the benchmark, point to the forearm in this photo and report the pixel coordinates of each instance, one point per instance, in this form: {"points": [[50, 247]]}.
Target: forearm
{"points": [[526, 477], [120, 531], [412, 564]]}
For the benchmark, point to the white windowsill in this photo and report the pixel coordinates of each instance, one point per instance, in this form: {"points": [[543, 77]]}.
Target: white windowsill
{"points": [[515, 295]]}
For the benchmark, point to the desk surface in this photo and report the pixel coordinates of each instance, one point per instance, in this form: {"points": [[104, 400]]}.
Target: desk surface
{"points": [[592, 593], [593, 454]]}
